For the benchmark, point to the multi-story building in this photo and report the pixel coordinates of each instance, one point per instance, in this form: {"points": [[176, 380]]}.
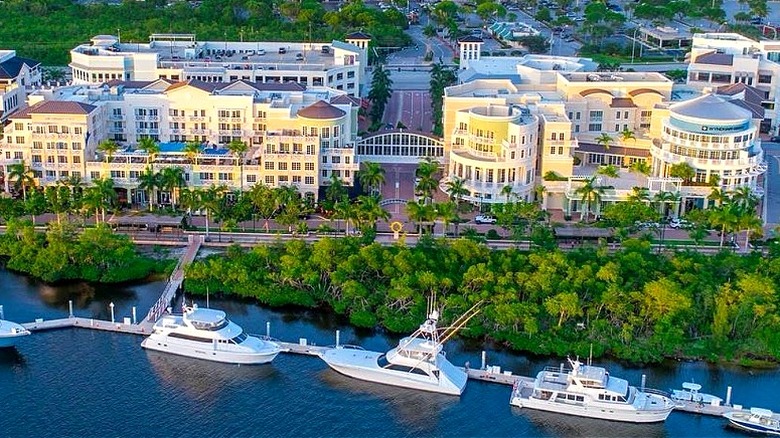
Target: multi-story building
{"points": [[17, 75], [179, 57], [297, 136], [718, 59], [587, 119]]}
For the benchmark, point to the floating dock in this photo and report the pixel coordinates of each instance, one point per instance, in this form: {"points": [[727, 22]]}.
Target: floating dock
{"points": [[144, 328]]}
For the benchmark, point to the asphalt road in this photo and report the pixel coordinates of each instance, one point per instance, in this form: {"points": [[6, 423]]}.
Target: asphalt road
{"points": [[772, 176], [412, 108]]}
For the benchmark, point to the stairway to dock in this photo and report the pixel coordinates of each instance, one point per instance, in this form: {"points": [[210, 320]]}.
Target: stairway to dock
{"points": [[175, 280]]}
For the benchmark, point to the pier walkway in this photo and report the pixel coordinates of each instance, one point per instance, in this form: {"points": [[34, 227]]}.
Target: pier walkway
{"points": [[88, 323], [175, 280]]}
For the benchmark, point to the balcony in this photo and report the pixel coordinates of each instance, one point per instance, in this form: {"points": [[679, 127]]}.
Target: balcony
{"points": [[177, 118], [151, 131], [116, 117], [197, 118], [147, 118], [201, 131]]}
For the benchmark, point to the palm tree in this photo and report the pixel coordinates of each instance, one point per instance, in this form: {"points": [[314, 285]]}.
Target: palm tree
{"points": [[448, 213], [682, 170], [604, 140], [151, 147], [749, 222], [190, 199], [719, 196], [108, 147], [191, 150], [369, 212], [58, 200], [22, 176], [265, 201], [627, 134], [427, 179], [172, 180], [744, 198], [456, 188], [640, 167], [725, 219], [610, 170], [420, 214], [639, 194], [238, 148], [210, 200], [662, 199], [506, 191], [589, 194], [371, 177], [343, 210], [148, 181], [105, 189]]}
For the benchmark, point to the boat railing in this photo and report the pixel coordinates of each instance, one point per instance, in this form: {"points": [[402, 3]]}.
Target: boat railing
{"points": [[656, 392], [559, 370], [348, 347], [264, 337]]}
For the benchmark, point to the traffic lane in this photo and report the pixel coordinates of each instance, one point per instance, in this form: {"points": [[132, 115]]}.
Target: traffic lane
{"points": [[772, 197], [415, 114]]}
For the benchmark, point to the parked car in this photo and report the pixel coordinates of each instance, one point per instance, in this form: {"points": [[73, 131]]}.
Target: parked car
{"points": [[679, 223], [485, 219]]}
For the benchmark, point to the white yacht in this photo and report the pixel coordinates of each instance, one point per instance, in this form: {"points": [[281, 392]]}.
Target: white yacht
{"points": [[589, 391], [690, 393], [755, 420], [10, 333], [418, 362], [208, 334]]}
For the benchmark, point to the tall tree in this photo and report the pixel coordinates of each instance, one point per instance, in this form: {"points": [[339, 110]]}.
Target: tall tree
{"points": [[371, 176], [191, 150], [151, 147], [172, 180], [427, 174], [456, 188], [441, 78], [239, 148], [590, 194], [149, 182], [108, 147], [381, 90], [22, 176]]}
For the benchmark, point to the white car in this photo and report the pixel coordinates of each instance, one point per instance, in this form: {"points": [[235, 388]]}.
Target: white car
{"points": [[485, 219], [679, 223]]}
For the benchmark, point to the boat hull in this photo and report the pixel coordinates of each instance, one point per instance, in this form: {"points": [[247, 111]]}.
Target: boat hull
{"points": [[11, 333], [753, 427], [10, 341], [206, 353], [385, 377], [598, 412]]}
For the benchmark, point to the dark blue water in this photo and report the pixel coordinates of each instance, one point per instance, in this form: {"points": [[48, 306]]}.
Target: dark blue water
{"points": [[81, 383]]}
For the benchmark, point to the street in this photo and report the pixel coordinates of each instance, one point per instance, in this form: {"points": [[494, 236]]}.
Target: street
{"points": [[412, 108]]}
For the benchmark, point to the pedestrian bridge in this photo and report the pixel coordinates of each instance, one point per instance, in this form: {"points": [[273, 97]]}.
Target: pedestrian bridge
{"points": [[400, 146]]}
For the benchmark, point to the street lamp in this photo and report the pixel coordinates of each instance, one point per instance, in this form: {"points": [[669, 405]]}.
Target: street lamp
{"points": [[633, 44]]}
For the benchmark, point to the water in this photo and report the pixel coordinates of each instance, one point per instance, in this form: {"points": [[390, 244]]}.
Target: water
{"points": [[83, 383]]}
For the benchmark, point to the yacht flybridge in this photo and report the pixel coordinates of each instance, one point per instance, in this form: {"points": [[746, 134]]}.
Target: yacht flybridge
{"points": [[418, 362], [589, 391], [208, 334]]}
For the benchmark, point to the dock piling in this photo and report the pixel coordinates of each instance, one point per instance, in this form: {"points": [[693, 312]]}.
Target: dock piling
{"points": [[728, 396], [111, 305], [70, 308], [268, 329], [2, 316], [338, 337], [134, 319], [644, 381], [484, 360]]}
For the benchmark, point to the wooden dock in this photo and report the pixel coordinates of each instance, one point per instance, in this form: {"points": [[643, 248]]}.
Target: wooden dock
{"points": [[142, 329], [502, 378], [175, 280]]}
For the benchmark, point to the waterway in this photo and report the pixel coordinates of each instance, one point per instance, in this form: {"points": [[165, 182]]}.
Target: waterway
{"points": [[81, 383]]}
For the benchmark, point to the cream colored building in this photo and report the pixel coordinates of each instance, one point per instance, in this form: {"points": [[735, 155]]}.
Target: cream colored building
{"points": [[179, 57], [296, 136], [17, 76]]}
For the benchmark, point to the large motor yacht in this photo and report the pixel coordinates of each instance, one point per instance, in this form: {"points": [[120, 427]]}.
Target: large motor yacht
{"points": [[418, 362], [589, 391], [208, 334], [10, 333]]}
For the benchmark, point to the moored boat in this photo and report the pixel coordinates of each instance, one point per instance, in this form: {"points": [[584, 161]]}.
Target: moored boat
{"points": [[208, 334], [10, 333], [418, 362], [690, 393], [589, 391], [756, 420]]}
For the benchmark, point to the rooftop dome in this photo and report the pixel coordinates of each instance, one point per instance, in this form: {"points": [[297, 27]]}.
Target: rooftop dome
{"points": [[321, 110], [710, 107]]}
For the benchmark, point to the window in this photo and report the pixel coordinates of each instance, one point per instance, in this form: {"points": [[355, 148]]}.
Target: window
{"points": [[76, 146], [617, 127], [764, 79], [617, 115], [269, 179], [269, 165], [296, 179], [94, 175], [596, 116], [76, 159], [324, 158], [310, 167], [282, 166], [336, 160], [309, 180], [19, 140], [296, 166], [594, 127], [224, 176], [251, 178]]}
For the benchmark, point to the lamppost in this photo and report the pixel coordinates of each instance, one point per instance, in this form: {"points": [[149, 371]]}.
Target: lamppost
{"points": [[633, 44]]}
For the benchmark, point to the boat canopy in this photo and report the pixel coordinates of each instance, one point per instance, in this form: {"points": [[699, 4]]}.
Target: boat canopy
{"points": [[690, 386], [761, 412]]}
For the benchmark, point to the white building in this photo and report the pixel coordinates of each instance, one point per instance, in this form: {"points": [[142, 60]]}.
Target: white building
{"points": [[179, 57], [17, 75], [718, 59]]}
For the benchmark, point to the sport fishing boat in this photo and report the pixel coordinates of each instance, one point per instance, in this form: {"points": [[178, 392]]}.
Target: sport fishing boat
{"points": [[756, 420], [418, 362], [10, 333], [589, 391], [208, 334]]}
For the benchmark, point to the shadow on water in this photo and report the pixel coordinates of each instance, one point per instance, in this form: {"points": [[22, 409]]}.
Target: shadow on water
{"points": [[11, 357], [570, 426], [202, 380], [418, 411]]}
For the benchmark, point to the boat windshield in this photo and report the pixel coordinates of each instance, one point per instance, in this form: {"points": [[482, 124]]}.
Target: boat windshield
{"points": [[384, 363], [239, 339], [210, 326]]}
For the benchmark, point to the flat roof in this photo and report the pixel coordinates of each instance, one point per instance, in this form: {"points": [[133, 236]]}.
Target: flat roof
{"points": [[146, 219], [615, 77]]}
